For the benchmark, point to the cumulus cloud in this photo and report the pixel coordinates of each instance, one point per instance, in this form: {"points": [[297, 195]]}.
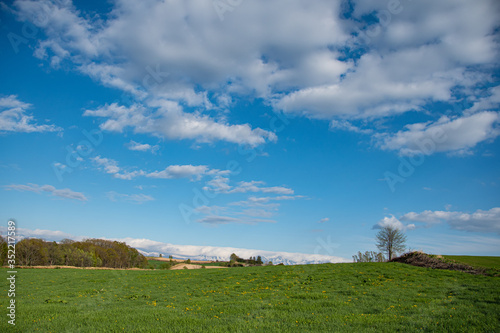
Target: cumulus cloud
{"points": [[489, 102], [218, 184], [323, 220], [485, 221], [195, 172], [422, 53], [136, 146], [452, 135], [169, 121], [345, 125], [61, 193], [110, 166], [221, 184], [13, 117], [255, 186], [180, 171], [393, 222]]}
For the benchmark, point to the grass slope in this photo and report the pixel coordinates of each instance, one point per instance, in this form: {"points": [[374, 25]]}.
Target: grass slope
{"points": [[376, 297], [486, 262]]}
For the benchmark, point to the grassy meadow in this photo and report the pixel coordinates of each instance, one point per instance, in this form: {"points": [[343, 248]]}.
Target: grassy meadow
{"points": [[362, 297], [475, 261]]}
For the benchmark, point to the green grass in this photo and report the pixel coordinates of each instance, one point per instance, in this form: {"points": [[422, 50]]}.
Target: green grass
{"points": [[157, 264], [486, 262], [364, 297]]}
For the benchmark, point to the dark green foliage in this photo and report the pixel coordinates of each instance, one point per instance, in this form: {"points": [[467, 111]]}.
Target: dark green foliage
{"points": [[236, 261], [3, 251], [87, 253], [31, 252]]}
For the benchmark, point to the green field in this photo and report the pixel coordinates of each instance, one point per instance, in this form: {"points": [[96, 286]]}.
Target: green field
{"points": [[486, 262], [377, 297], [157, 264]]}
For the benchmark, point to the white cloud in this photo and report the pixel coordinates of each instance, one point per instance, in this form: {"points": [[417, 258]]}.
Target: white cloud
{"points": [[347, 126], [293, 58], [169, 121], [220, 184], [255, 186], [323, 220], [13, 117], [109, 165], [216, 219], [180, 171], [393, 222], [194, 172], [263, 201], [480, 221], [62, 193], [132, 145], [251, 211], [489, 102], [47, 235], [135, 198], [451, 135]]}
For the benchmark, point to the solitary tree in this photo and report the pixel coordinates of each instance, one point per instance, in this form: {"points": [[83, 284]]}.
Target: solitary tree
{"points": [[233, 257], [391, 241]]}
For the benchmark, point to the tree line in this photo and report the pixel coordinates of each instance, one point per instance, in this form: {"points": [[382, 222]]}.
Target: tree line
{"points": [[236, 261], [87, 253]]}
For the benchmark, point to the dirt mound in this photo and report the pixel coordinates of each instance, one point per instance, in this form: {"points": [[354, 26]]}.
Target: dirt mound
{"points": [[424, 260]]}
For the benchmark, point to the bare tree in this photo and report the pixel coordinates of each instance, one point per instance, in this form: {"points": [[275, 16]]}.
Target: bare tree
{"points": [[391, 241]]}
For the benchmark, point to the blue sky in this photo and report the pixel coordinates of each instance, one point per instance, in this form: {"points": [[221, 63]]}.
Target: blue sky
{"points": [[283, 126]]}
